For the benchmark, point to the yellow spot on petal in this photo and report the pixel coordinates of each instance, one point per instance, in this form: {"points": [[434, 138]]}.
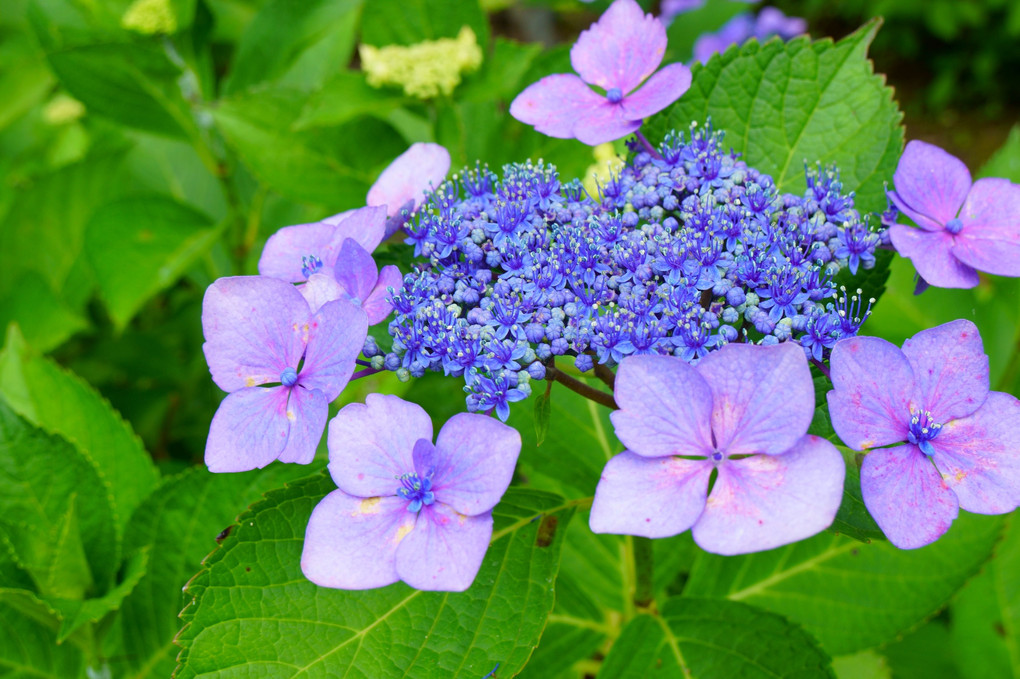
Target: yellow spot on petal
{"points": [[402, 531], [292, 417], [250, 382], [367, 507]]}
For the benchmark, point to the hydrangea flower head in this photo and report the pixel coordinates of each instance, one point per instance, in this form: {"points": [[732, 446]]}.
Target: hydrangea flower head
{"points": [[743, 413], [741, 28], [424, 69], [407, 509], [965, 227], [280, 363], [623, 48], [961, 442]]}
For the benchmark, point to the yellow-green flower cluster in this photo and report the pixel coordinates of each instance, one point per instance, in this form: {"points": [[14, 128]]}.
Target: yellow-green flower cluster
{"points": [[607, 164], [426, 69], [150, 17]]}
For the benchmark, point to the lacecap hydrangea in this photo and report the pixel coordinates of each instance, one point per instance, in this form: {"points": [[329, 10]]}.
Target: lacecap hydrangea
{"points": [[684, 251]]}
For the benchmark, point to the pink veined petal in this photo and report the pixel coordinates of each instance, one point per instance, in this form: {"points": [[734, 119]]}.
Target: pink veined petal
{"points": [[874, 383], [979, 456], [337, 335], [307, 412], [351, 542], [378, 305], [906, 496], [926, 223], [602, 123], [366, 225], [990, 239], [661, 90], [282, 256], [554, 103], [764, 501], [931, 181], [665, 407], [621, 49], [931, 253], [445, 550], [249, 430], [653, 498], [320, 288], [475, 460], [371, 444], [254, 329], [356, 271], [950, 369], [415, 171], [763, 398]]}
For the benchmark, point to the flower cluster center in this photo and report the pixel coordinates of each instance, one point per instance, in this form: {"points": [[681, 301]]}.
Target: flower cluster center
{"points": [[614, 95], [416, 490], [954, 225], [288, 377], [923, 428], [309, 265]]}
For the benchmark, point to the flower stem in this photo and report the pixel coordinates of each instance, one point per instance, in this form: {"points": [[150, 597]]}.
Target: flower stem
{"points": [[364, 373], [607, 376], [648, 146], [602, 398], [644, 570], [821, 368]]}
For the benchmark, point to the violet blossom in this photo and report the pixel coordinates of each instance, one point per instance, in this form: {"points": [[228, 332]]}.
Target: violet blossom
{"points": [[280, 363], [741, 28], [403, 184], [617, 53], [407, 509], [741, 412], [964, 227], [961, 442]]}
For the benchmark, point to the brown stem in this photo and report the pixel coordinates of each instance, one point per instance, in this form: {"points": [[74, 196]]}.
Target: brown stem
{"points": [[607, 376], [579, 387]]}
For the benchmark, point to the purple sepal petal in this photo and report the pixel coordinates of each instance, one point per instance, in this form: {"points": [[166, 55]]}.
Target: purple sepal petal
{"points": [[445, 550], [930, 181], [320, 289], [254, 329], [307, 412], [950, 369], [249, 430], [475, 460], [415, 171], [665, 407], [926, 223], [366, 225], [336, 334], [763, 397], [351, 542], [874, 383], [621, 49], [424, 459], [603, 122], [378, 305], [661, 90], [554, 104], [355, 271], [990, 239], [284, 252], [371, 444], [979, 456], [931, 253], [764, 501], [333, 220], [907, 496], [653, 498]]}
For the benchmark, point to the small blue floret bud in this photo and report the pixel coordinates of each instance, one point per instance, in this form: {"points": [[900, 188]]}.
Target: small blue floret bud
{"points": [[584, 363], [537, 371]]}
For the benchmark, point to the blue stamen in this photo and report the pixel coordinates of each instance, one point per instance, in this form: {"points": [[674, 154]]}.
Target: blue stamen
{"points": [[309, 265], [923, 429], [954, 225], [416, 490], [717, 456], [288, 377], [614, 95]]}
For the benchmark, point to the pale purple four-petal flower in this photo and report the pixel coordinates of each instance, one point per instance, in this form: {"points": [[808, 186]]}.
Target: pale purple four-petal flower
{"points": [[962, 441], [261, 331], [623, 48], [742, 412], [964, 227], [407, 509]]}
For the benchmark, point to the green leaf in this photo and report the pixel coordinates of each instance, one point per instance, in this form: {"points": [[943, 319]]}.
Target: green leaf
{"points": [[24, 77], [863, 665], [27, 648], [685, 30], [45, 319], [711, 638], [853, 518], [254, 580], [74, 612], [345, 97], [60, 402], [502, 72], [406, 22], [851, 596], [543, 409], [180, 522], [296, 42], [139, 246], [924, 653], [55, 512], [1006, 161], [784, 104]]}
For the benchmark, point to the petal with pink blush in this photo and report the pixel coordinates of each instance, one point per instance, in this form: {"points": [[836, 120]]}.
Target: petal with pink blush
{"points": [[603, 122], [906, 496], [336, 336], [665, 407], [931, 253], [284, 255], [307, 412], [351, 542], [931, 181], [950, 369], [254, 329], [554, 103], [926, 223], [979, 456], [764, 501], [445, 549], [653, 498], [378, 304], [621, 49], [763, 398], [661, 90], [249, 430], [371, 444], [990, 239], [475, 459], [414, 172], [874, 384]]}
